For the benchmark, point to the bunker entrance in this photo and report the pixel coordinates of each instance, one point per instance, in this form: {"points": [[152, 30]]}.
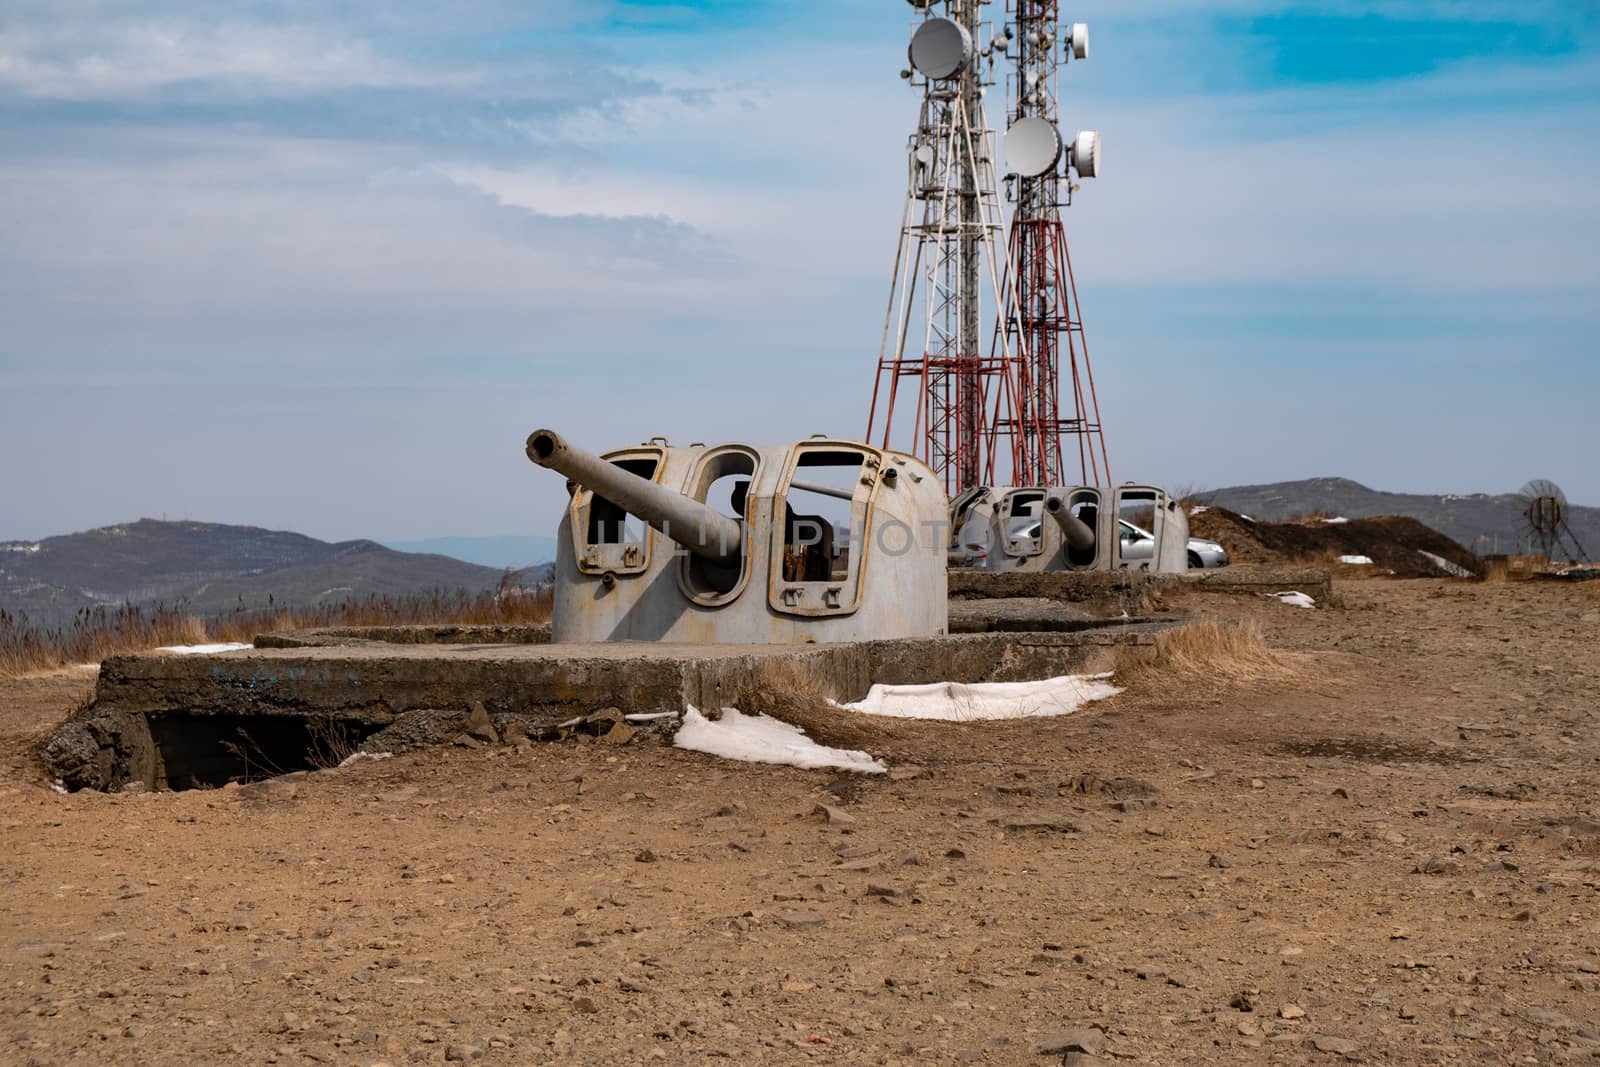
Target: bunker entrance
{"points": [[209, 751]]}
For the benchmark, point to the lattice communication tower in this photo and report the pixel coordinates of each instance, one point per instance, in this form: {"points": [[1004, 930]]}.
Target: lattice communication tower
{"points": [[992, 419], [1057, 437], [931, 356]]}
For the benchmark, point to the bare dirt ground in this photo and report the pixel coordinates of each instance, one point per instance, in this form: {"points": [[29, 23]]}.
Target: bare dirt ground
{"points": [[1397, 861]]}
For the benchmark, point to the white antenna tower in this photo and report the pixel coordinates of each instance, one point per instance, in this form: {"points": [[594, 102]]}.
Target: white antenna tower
{"points": [[949, 252]]}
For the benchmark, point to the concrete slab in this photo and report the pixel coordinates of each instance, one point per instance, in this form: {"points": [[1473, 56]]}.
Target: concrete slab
{"points": [[154, 709]]}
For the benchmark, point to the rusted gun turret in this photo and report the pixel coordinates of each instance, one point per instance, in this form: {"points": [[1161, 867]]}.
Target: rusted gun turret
{"points": [[1060, 528], [703, 530], [821, 540]]}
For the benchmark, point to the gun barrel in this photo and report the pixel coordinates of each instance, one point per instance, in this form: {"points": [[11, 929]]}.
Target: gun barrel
{"points": [[702, 530], [1075, 530]]}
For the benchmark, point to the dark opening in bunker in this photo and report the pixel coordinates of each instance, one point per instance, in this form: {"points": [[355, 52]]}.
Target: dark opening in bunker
{"points": [[208, 751]]}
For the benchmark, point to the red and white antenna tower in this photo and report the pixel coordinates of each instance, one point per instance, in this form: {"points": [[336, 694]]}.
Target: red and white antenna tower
{"points": [[1042, 320], [995, 419]]}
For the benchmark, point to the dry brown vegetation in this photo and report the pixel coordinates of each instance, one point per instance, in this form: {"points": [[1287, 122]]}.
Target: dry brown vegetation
{"points": [[1218, 652], [100, 632], [789, 693]]}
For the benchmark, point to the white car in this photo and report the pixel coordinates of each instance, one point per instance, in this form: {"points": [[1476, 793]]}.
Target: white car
{"points": [[1140, 544]]}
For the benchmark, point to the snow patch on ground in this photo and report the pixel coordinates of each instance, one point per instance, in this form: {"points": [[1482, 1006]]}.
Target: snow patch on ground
{"points": [[357, 757], [1199, 509], [1296, 598], [1336, 520], [979, 701], [763, 739], [18, 546], [1358, 561], [202, 650], [1455, 570]]}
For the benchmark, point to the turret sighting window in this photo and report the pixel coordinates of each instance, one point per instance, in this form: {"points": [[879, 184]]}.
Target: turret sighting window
{"points": [[1085, 507], [608, 524], [820, 516], [722, 481], [1138, 529], [1024, 523]]}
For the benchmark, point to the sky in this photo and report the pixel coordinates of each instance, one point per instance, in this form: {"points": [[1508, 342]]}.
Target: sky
{"points": [[323, 267]]}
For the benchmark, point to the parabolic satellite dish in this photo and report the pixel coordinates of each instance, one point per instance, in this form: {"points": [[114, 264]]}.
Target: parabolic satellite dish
{"points": [[1078, 40], [1032, 146], [1085, 154], [940, 48]]}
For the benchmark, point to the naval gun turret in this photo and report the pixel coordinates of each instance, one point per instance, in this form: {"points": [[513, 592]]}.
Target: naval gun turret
{"points": [[1060, 528], [821, 540]]}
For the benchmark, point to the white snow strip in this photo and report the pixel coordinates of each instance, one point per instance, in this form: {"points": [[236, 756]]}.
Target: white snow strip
{"points": [[357, 757], [202, 650], [1336, 520], [1455, 570], [1199, 509], [1298, 599], [980, 701], [762, 739], [1359, 561], [1245, 517]]}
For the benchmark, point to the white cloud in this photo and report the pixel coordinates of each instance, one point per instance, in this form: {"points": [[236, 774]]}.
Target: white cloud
{"points": [[66, 64]]}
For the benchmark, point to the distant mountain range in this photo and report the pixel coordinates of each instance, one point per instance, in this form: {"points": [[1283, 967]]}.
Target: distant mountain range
{"points": [[216, 569], [1481, 522], [515, 551]]}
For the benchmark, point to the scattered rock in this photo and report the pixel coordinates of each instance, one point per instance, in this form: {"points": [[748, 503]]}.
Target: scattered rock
{"points": [[1435, 865], [834, 816], [1291, 1011], [479, 725], [644, 855], [620, 734], [798, 920], [1041, 824], [517, 734], [603, 716], [1341, 1046], [1088, 1039]]}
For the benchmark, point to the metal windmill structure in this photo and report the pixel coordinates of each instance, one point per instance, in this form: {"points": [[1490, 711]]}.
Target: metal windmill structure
{"points": [[1057, 411], [931, 355], [1544, 515], [990, 419]]}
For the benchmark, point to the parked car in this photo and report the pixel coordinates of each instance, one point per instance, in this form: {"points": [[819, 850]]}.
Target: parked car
{"points": [[1140, 544]]}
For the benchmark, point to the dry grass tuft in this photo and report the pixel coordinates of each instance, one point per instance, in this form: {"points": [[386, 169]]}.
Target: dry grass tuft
{"points": [[791, 694], [1220, 653]]}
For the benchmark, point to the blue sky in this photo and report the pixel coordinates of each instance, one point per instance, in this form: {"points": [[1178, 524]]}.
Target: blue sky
{"points": [[323, 266]]}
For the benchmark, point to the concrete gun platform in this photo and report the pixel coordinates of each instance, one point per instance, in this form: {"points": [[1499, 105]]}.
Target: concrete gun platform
{"points": [[166, 720]]}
